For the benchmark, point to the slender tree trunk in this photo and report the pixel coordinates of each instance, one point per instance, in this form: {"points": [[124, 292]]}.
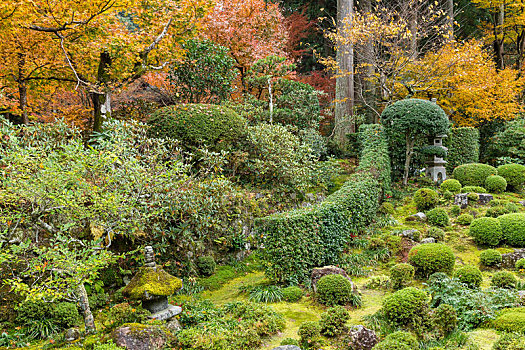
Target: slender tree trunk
{"points": [[368, 86], [413, 30], [409, 152], [499, 38], [89, 320], [101, 100], [344, 95], [450, 19], [271, 99], [22, 87]]}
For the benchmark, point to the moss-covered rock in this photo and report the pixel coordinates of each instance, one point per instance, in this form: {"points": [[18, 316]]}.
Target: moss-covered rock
{"points": [[150, 282]]}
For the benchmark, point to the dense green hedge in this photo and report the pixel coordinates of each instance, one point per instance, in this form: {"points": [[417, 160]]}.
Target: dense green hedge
{"points": [[473, 174], [463, 147], [299, 240]]}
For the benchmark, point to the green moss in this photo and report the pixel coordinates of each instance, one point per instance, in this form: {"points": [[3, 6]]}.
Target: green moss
{"points": [[152, 281]]}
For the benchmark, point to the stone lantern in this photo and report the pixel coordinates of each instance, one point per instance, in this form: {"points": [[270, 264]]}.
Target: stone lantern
{"points": [[153, 285], [436, 166]]}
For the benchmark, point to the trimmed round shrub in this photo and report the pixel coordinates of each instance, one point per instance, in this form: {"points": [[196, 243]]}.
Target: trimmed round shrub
{"points": [[514, 174], [470, 275], [398, 341], [473, 174], [511, 320], [206, 265], [473, 189], [520, 264], [504, 279], [309, 334], [334, 290], [486, 231], [425, 198], [490, 257], [451, 185], [513, 228], [333, 321], [406, 307], [429, 258], [438, 217], [455, 210], [436, 233], [464, 219], [195, 125], [495, 184], [401, 275], [292, 294], [444, 318]]}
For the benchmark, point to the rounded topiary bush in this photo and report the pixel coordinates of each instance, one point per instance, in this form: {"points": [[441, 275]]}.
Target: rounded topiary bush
{"points": [[495, 184], [292, 294], [490, 257], [425, 198], [511, 320], [473, 174], [486, 231], [206, 265], [436, 233], [334, 290], [401, 275], [520, 265], [429, 258], [504, 279], [464, 219], [438, 217], [309, 334], [473, 189], [514, 174], [214, 126], [513, 228], [451, 185], [406, 307], [470, 275]]}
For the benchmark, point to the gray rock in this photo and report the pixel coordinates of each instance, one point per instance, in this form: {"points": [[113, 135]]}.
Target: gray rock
{"points": [[508, 260], [522, 203], [167, 313], [414, 235], [428, 240], [419, 216], [287, 347], [362, 338], [72, 334], [319, 272], [484, 198], [140, 337], [173, 325], [521, 294], [461, 200]]}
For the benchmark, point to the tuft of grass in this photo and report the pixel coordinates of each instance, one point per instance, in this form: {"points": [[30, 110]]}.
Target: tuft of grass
{"points": [[266, 294]]}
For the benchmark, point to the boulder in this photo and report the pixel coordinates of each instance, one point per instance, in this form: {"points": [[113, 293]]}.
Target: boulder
{"points": [[136, 336], [72, 334], [484, 198], [508, 260], [428, 240], [319, 272], [362, 338], [414, 235], [461, 200], [419, 216]]}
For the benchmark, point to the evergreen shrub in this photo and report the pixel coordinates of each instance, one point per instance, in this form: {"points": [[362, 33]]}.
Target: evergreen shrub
{"points": [[438, 217], [425, 198], [513, 228], [490, 257], [514, 174], [407, 308], [429, 258], [486, 231], [401, 275], [504, 279], [470, 275], [334, 290], [463, 147], [495, 184], [451, 185], [464, 219], [473, 174]]}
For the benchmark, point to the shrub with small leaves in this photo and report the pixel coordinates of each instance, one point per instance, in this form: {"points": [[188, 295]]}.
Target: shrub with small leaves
{"points": [[497, 211], [490, 257], [447, 195], [510, 341], [495, 184], [309, 334], [486, 231], [292, 294], [398, 341], [429, 258], [407, 307], [513, 228], [473, 189], [504, 279], [334, 290], [206, 265], [473, 174], [514, 174], [425, 198], [444, 319], [437, 233], [455, 210], [438, 217], [386, 208], [401, 275], [333, 321], [464, 219], [473, 198], [520, 265], [510, 320], [451, 185], [470, 275]]}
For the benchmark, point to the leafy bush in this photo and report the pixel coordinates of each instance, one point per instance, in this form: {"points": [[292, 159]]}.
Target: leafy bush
{"points": [[473, 306], [406, 308], [398, 341], [473, 174], [473, 198], [334, 290], [473, 189], [438, 217], [292, 294], [401, 275], [513, 228], [378, 282], [510, 341], [455, 210], [470, 275], [123, 313], [206, 265], [195, 125], [46, 319], [486, 231], [463, 147], [520, 264], [451, 185], [490, 257], [387, 208], [495, 184], [464, 219], [436, 233], [333, 321], [514, 174], [374, 154], [289, 341], [511, 320], [429, 258], [504, 279], [309, 334], [266, 294], [444, 318], [425, 198]]}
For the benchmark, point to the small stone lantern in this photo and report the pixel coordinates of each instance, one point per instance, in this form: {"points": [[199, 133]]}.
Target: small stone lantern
{"points": [[436, 166], [153, 285]]}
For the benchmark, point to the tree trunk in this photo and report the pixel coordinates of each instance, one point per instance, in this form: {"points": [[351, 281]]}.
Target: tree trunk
{"points": [[409, 152], [344, 88], [413, 31], [101, 100], [450, 19], [89, 320], [22, 87], [499, 38]]}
